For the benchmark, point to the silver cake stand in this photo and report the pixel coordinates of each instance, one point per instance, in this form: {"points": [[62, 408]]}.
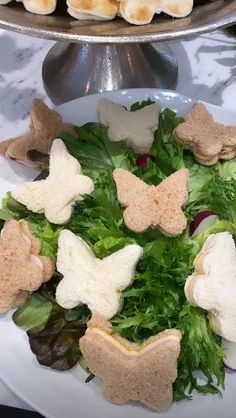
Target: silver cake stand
{"points": [[92, 56]]}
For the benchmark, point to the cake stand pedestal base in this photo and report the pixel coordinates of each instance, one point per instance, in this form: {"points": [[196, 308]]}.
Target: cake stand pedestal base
{"points": [[74, 70]]}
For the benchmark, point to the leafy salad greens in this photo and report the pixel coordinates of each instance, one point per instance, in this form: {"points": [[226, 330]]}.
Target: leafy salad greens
{"points": [[156, 299]]}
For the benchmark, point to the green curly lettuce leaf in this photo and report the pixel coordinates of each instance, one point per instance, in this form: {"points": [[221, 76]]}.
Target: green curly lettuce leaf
{"points": [[48, 235], [140, 105], [169, 154], [200, 351], [212, 188], [95, 151], [218, 226], [108, 245]]}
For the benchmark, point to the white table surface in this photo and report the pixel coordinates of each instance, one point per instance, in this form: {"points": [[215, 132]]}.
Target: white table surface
{"points": [[207, 71]]}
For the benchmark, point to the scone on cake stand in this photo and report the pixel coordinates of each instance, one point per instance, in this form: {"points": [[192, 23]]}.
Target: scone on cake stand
{"points": [[95, 56]]}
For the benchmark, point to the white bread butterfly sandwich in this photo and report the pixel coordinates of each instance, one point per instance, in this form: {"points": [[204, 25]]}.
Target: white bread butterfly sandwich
{"points": [[137, 12], [212, 286], [91, 281], [56, 195], [141, 12], [153, 206], [135, 128], [41, 7], [93, 10], [130, 371]]}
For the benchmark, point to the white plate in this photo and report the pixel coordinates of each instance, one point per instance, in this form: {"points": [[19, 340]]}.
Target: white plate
{"points": [[64, 394]]}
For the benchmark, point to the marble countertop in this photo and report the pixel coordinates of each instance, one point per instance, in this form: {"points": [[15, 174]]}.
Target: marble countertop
{"points": [[207, 71]]}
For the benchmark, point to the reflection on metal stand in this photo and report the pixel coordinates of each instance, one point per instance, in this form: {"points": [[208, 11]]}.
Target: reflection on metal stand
{"points": [[74, 70]]}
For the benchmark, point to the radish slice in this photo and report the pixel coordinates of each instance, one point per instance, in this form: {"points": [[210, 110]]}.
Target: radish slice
{"points": [[201, 222], [230, 354], [142, 160]]}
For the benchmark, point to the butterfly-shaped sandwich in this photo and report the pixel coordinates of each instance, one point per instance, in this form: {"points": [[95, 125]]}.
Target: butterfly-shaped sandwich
{"points": [[139, 12], [93, 10], [135, 128], [212, 286], [23, 269], [45, 126], [130, 371], [42, 7], [86, 279], [208, 140], [56, 195], [153, 206]]}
